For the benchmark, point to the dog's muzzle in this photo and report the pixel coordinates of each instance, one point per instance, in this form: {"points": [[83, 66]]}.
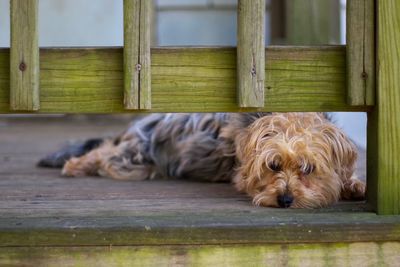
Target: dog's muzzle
{"points": [[284, 201]]}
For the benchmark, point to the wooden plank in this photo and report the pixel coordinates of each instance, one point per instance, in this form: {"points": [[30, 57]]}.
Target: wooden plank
{"points": [[111, 222], [277, 19], [154, 23], [187, 80], [131, 53], [372, 159], [137, 63], [24, 65], [310, 22], [251, 53], [384, 119], [40, 208], [145, 57], [361, 52], [337, 254]]}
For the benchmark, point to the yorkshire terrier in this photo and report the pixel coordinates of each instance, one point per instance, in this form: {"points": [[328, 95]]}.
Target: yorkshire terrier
{"points": [[296, 160]]}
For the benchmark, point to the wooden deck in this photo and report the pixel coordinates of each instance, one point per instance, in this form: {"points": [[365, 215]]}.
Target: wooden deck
{"points": [[46, 219]]}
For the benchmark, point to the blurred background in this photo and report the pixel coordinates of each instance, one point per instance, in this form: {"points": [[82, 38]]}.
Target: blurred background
{"points": [[196, 23]]}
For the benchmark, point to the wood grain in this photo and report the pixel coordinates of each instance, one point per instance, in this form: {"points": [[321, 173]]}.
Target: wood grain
{"points": [[40, 208], [361, 52], [251, 53], [339, 254], [137, 63], [311, 22], [24, 56], [385, 119], [187, 80]]}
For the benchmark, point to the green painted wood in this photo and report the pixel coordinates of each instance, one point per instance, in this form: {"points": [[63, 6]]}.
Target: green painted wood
{"points": [[38, 207], [187, 80], [337, 254], [95, 222], [310, 22], [131, 53], [386, 120], [145, 57], [251, 53], [24, 65], [137, 64], [361, 52], [372, 158]]}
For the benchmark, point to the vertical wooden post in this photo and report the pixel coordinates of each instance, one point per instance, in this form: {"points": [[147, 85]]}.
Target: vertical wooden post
{"points": [[154, 19], [24, 56], [384, 121], [251, 53], [137, 62], [311, 22], [360, 52], [277, 19]]}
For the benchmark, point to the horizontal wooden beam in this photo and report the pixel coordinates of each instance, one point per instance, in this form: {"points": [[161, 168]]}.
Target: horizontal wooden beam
{"points": [[87, 224], [353, 254], [90, 80]]}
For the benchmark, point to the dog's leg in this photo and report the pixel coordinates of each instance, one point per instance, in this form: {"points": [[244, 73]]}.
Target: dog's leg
{"points": [[72, 150], [88, 164], [127, 165], [353, 189], [118, 162]]}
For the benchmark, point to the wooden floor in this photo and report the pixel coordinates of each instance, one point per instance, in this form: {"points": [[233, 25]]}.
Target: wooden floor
{"points": [[49, 220], [27, 191]]}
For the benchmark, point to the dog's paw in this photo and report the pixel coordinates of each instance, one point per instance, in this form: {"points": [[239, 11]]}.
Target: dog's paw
{"points": [[354, 189], [73, 168]]}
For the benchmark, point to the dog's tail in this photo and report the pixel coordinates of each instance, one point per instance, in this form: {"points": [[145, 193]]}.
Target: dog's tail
{"points": [[73, 149]]}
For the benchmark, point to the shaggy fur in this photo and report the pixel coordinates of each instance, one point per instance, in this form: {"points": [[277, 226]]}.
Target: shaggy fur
{"points": [[297, 160]]}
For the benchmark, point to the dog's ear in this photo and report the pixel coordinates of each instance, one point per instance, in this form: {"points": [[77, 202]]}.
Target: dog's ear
{"points": [[251, 139], [243, 120], [245, 179], [239, 122], [251, 145], [342, 150]]}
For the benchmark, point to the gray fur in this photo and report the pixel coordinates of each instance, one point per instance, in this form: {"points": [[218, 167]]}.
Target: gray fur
{"points": [[183, 146]]}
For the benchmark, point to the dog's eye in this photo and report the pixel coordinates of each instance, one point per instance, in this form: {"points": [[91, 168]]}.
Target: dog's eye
{"points": [[276, 167], [308, 169], [266, 135]]}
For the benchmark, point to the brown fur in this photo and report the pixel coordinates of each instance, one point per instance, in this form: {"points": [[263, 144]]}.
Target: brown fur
{"points": [[298, 155]]}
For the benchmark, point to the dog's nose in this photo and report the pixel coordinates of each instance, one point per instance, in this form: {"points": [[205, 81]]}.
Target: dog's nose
{"points": [[284, 201]]}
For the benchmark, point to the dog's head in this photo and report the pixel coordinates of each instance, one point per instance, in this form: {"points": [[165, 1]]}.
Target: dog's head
{"points": [[297, 160]]}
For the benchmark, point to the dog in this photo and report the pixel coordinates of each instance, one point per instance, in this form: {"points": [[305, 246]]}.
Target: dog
{"points": [[296, 160]]}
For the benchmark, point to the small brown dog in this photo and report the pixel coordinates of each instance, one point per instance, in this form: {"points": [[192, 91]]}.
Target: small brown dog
{"points": [[297, 160]]}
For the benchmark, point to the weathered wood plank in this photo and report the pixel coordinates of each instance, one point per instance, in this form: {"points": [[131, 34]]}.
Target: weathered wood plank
{"points": [[40, 208], [137, 62], [384, 119], [131, 53], [372, 158], [187, 80], [145, 56], [24, 65], [310, 22], [361, 52], [163, 227], [337, 254], [251, 53]]}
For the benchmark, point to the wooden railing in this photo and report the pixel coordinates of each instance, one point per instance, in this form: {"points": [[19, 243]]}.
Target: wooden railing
{"points": [[323, 78]]}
